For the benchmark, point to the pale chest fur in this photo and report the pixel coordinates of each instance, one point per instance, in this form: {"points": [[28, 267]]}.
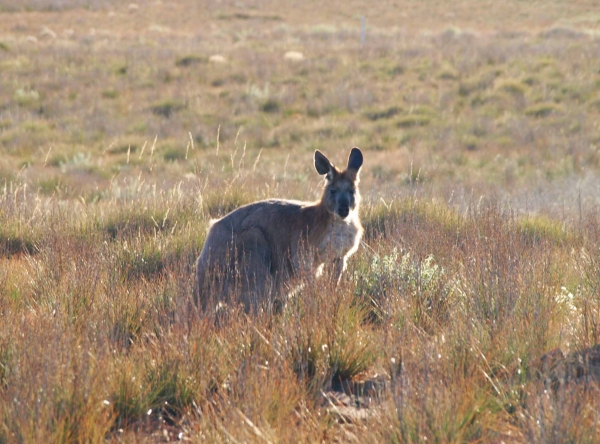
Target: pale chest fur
{"points": [[340, 239]]}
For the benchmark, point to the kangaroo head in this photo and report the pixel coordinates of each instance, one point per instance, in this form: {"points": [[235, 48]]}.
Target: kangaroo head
{"points": [[340, 195]]}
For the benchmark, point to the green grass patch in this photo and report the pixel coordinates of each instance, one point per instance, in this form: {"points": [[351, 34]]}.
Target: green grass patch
{"points": [[413, 120], [110, 93], [147, 263], [396, 71], [386, 113], [132, 222], [540, 228], [26, 97], [511, 86], [448, 72], [173, 154], [123, 148], [380, 219], [50, 185]]}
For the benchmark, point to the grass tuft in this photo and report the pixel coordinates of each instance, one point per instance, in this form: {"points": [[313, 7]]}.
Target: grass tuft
{"points": [[270, 106], [11, 245], [413, 120], [541, 109], [189, 60], [511, 86], [110, 94], [383, 114], [166, 108]]}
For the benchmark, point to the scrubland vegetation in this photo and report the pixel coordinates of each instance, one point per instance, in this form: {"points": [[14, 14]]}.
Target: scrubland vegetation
{"points": [[121, 135]]}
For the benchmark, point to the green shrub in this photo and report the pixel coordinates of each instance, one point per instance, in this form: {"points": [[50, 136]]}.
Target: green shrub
{"points": [[421, 284]]}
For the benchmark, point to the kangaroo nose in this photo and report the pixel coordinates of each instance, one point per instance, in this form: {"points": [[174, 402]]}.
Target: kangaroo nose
{"points": [[343, 210]]}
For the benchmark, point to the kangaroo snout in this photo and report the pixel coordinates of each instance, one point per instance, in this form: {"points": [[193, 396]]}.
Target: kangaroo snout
{"points": [[343, 209]]}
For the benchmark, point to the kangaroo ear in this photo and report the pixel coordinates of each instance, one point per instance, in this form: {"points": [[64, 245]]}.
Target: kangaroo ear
{"points": [[355, 160], [322, 163]]}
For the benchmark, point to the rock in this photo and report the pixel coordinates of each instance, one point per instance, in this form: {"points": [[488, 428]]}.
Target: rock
{"points": [[47, 33], [294, 56], [347, 409], [217, 58]]}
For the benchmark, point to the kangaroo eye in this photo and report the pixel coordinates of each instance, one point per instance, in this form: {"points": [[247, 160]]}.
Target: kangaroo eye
{"points": [[332, 192]]}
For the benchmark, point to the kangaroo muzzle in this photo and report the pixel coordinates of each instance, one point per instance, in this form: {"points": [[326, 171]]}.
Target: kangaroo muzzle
{"points": [[343, 210]]}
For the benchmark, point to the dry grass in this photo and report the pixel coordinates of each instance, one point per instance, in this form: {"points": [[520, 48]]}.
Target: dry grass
{"points": [[120, 139]]}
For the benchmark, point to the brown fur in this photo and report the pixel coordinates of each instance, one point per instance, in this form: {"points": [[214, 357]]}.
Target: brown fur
{"points": [[251, 254]]}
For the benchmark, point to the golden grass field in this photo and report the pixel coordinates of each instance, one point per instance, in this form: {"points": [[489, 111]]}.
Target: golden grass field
{"points": [[122, 135]]}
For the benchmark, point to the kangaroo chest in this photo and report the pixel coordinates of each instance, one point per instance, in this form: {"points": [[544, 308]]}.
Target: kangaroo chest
{"points": [[339, 239]]}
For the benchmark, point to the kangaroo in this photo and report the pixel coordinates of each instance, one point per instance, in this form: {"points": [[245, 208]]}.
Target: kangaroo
{"points": [[254, 252]]}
